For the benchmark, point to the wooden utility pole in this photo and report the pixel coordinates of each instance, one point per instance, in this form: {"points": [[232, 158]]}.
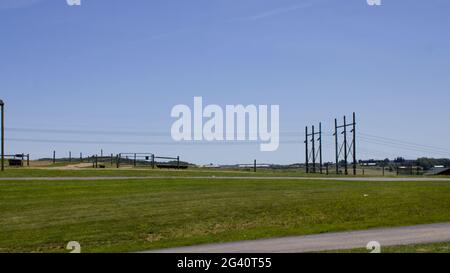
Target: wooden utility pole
{"points": [[354, 144], [306, 150], [2, 105], [336, 144]]}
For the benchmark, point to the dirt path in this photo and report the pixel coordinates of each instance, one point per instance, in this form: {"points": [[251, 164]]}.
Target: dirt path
{"points": [[71, 167]]}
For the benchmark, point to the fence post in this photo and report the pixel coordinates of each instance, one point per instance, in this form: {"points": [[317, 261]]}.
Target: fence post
{"points": [[153, 161], [112, 160], [70, 156], [327, 169], [118, 160], [254, 166], [54, 157], [81, 157], [178, 162], [28, 160]]}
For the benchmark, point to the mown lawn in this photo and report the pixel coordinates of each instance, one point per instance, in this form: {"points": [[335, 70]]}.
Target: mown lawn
{"points": [[118, 216]]}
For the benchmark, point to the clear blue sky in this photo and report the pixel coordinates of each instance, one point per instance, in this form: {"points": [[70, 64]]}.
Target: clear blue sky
{"points": [[105, 75]]}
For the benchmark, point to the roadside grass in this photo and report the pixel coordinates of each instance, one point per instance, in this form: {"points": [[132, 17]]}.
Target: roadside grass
{"points": [[421, 248], [147, 172], [84, 172], [130, 215]]}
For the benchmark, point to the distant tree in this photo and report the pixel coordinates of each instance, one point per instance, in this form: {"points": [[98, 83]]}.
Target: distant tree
{"points": [[428, 163], [399, 160]]}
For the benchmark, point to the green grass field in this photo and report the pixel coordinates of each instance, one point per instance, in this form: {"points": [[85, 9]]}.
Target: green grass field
{"points": [[135, 215]]}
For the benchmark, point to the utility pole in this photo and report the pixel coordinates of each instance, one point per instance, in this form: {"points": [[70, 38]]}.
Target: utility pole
{"points": [[2, 105], [313, 151], [354, 143], [320, 147], [345, 146], [313, 141], [336, 144], [306, 150]]}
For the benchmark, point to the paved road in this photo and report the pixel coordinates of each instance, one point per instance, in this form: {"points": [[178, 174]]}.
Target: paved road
{"points": [[330, 241], [381, 179]]}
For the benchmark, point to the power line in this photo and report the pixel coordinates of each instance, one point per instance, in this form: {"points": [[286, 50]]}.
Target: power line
{"points": [[402, 142], [142, 142], [402, 147]]}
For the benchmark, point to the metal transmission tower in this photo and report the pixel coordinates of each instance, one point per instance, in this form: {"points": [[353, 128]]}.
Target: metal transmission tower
{"points": [[348, 149], [314, 154]]}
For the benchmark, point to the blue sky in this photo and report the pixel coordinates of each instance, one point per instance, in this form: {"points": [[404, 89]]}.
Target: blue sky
{"points": [[105, 75]]}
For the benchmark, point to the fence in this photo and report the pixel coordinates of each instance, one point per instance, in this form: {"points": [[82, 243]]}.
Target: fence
{"points": [[148, 160]]}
